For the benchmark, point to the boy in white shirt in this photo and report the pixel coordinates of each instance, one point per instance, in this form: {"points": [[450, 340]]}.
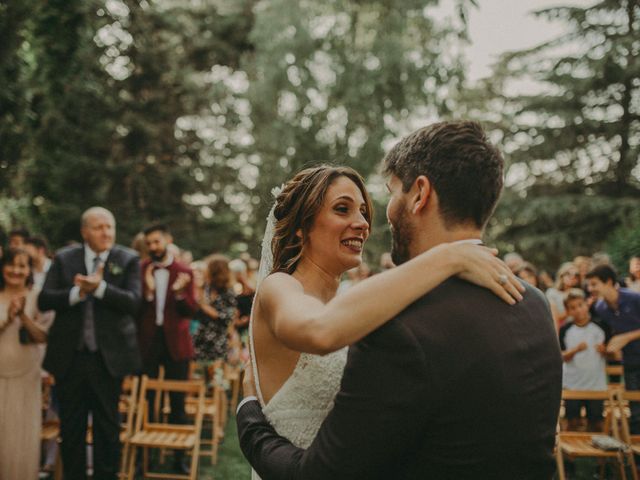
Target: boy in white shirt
{"points": [[583, 343]]}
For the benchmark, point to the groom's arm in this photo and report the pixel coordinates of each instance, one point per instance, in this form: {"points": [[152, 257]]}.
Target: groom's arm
{"points": [[377, 419]]}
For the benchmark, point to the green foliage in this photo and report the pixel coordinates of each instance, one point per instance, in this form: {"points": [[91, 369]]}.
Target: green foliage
{"points": [[625, 242], [190, 112], [571, 134], [333, 82]]}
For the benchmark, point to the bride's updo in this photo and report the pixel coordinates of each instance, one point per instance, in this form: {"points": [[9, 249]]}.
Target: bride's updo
{"points": [[296, 208]]}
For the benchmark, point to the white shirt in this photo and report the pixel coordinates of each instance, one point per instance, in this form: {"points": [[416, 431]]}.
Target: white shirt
{"points": [[161, 276], [89, 255], [586, 370], [40, 277]]}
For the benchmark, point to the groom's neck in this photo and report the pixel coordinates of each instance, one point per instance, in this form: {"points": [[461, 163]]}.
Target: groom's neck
{"points": [[427, 239]]}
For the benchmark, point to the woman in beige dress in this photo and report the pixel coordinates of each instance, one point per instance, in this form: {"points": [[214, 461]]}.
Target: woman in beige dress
{"points": [[22, 328]]}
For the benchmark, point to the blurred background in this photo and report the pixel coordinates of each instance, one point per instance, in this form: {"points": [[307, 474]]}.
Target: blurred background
{"points": [[190, 111]]}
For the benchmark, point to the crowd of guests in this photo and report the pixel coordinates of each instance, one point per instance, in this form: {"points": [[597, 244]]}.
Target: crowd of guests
{"points": [[94, 313], [597, 315], [97, 311]]}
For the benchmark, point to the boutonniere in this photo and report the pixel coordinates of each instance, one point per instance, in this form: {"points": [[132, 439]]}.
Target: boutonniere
{"points": [[114, 268]]}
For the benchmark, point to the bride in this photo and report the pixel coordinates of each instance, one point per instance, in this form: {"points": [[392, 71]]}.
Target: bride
{"points": [[299, 327]]}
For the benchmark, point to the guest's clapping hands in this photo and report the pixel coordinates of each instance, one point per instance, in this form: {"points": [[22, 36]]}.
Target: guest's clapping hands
{"points": [[149, 279], [181, 282], [89, 283], [16, 306], [480, 265], [582, 346]]}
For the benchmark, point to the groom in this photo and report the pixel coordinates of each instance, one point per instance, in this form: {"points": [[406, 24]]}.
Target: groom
{"points": [[460, 385]]}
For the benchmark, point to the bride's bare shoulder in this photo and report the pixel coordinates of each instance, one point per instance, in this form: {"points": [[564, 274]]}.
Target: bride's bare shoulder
{"points": [[276, 282], [271, 291]]}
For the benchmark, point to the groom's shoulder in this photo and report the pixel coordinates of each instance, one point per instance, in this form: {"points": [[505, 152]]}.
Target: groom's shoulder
{"points": [[456, 298]]}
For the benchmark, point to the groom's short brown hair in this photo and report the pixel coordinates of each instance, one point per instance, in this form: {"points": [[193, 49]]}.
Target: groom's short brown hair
{"points": [[463, 167]]}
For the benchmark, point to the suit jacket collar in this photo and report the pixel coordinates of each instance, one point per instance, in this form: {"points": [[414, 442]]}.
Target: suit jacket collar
{"points": [[108, 257]]}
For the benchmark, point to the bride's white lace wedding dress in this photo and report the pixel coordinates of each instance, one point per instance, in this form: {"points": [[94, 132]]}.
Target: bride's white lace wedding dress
{"points": [[298, 409]]}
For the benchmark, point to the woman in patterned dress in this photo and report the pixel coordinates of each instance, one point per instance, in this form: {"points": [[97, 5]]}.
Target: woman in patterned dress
{"points": [[217, 312]]}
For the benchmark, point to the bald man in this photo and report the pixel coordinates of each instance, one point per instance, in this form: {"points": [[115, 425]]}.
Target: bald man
{"points": [[95, 291]]}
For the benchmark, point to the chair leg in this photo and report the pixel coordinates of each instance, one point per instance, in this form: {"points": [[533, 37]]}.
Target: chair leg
{"points": [[131, 463], [124, 460], [632, 465], [195, 456], [560, 464], [145, 461], [623, 474]]}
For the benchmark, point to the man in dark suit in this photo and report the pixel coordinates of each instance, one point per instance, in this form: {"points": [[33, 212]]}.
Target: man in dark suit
{"points": [[168, 307], [95, 291], [460, 385]]}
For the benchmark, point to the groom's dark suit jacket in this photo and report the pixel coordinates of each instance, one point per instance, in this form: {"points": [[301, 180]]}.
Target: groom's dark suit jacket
{"points": [[460, 385], [114, 315]]}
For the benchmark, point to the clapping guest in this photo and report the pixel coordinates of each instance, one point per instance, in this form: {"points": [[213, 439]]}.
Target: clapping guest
{"points": [[94, 289], [633, 280], [218, 309], [567, 278], [18, 237], [528, 273], [583, 264], [39, 252], [244, 295], [139, 245], [169, 305], [22, 327]]}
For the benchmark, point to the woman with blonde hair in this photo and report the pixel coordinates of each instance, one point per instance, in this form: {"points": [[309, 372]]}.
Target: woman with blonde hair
{"points": [[568, 277]]}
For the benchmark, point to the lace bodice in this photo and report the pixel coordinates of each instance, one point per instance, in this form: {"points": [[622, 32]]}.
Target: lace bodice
{"points": [[299, 407], [297, 410]]}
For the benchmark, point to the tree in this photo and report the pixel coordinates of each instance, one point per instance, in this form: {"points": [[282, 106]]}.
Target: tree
{"points": [[113, 82], [336, 82], [571, 132]]}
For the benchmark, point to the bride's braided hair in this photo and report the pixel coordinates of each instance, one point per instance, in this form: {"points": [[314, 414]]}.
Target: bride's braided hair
{"points": [[297, 206]]}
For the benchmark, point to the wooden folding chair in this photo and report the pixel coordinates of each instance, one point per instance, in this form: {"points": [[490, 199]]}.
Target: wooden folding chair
{"points": [[127, 408], [623, 397], [579, 444], [159, 435], [211, 415]]}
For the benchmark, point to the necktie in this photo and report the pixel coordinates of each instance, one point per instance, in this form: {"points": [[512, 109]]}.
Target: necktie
{"points": [[88, 327]]}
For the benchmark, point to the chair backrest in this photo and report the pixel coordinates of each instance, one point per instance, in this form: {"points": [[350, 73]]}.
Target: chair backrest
{"points": [[194, 387], [608, 396]]}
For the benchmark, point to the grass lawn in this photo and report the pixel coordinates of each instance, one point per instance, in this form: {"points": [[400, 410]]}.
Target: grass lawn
{"points": [[231, 463], [233, 466]]}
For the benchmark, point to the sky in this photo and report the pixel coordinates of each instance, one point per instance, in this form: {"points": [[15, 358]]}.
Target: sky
{"points": [[502, 25]]}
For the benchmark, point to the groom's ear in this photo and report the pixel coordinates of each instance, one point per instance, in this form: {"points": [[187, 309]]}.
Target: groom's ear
{"points": [[422, 194]]}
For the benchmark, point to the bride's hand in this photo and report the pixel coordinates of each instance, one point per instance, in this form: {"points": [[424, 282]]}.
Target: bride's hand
{"points": [[480, 265]]}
